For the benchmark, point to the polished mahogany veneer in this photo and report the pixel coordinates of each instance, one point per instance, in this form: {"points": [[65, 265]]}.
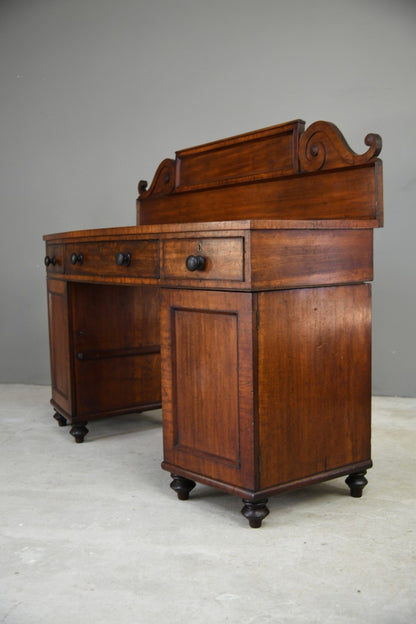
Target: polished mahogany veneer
{"points": [[282, 172], [241, 303]]}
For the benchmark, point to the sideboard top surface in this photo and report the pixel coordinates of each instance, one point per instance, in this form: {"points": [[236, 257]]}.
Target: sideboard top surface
{"points": [[211, 226]]}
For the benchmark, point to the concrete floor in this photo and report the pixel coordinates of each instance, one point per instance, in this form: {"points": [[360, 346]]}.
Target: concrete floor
{"points": [[92, 532]]}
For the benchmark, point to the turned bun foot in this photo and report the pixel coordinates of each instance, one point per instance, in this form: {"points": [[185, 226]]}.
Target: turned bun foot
{"points": [[356, 482], [255, 512], [182, 486], [79, 432], [62, 421]]}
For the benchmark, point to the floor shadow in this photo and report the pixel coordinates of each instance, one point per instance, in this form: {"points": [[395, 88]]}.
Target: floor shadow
{"points": [[279, 503], [122, 425]]}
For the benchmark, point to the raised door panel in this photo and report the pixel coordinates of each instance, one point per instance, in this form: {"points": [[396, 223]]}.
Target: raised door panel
{"points": [[59, 341], [207, 376]]}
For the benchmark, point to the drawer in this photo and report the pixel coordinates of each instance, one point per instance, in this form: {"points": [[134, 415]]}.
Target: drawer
{"points": [[204, 258], [54, 259], [113, 258]]}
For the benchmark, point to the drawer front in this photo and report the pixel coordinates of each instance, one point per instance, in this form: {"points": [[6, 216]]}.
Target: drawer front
{"points": [[54, 258], [204, 259], [113, 258]]}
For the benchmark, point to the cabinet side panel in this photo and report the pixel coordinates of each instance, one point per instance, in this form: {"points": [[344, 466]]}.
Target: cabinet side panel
{"points": [[314, 381], [59, 344]]}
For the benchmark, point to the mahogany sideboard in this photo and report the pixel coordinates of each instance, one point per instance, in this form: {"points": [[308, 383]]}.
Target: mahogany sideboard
{"points": [[241, 303]]}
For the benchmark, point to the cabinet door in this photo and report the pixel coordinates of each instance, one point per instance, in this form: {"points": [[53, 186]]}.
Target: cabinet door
{"points": [[59, 343], [207, 385]]}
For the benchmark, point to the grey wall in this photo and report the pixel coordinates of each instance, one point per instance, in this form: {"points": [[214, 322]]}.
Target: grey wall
{"points": [[95, 93]]}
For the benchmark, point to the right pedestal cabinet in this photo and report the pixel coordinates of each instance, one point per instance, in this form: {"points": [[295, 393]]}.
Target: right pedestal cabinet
{"points": [[266, 332], [265, 390]]}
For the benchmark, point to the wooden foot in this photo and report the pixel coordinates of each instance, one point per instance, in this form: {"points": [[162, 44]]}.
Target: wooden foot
{"points": [[356, 482], [182, 486], [79, 432], [62, 421], [255, 512]]}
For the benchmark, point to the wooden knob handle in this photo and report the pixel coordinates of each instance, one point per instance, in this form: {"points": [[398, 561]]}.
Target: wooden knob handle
{"points": [[123, 259], [77, 258], [195, 263]]}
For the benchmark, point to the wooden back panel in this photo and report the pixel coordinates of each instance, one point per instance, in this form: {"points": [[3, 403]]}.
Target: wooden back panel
{"points": [[280, 172]]}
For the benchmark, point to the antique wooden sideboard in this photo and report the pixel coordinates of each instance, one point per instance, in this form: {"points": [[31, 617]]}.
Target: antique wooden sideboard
{"points": [[240, 303]]}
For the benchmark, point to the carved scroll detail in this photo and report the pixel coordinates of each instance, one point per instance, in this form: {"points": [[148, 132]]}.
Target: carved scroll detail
{"points": [[323, 146], [163, 181]]}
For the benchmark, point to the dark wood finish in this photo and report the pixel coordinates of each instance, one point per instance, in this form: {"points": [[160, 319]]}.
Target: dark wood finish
{"points": [[60, 348], [271, 151], [357, 482], [116, 344], [296, 197], [313, 381], [266, 391], [79, 431], [208, 378], [293, 258], [62, 422], [261, 249], [105, 351], [255, 512], [182, 486], [102, 258], [226, 251], [54, 259]]}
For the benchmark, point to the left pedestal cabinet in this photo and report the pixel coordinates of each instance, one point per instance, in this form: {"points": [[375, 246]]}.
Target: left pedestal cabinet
{"points": [[104, 343]]}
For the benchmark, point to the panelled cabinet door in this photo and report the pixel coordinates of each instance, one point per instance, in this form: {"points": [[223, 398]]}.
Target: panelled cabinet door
{"points": [[207, 381], [59, 340]]}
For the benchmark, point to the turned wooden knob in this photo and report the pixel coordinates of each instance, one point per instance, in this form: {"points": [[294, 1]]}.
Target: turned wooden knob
{"points": [[123, 259], [77, 258], [195, 263], [50, 260]]}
